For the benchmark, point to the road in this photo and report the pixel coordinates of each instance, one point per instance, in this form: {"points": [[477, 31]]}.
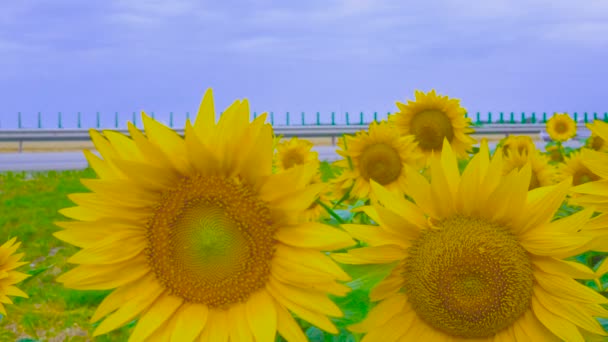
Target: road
{"points": [[44, 161]]}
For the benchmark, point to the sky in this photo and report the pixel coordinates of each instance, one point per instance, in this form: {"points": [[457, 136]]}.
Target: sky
{"points": [[298, 56]]}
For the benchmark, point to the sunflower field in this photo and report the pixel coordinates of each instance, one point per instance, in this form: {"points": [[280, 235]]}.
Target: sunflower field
{"points": [[229, 233]]}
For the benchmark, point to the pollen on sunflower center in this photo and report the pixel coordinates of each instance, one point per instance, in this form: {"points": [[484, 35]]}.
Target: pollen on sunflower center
{"points": [[430, 127], [381, 163], [561, 127], [468, 278], [211, 241]]}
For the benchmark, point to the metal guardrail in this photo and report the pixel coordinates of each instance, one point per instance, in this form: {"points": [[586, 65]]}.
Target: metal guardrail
{"points": [[332, 131]]}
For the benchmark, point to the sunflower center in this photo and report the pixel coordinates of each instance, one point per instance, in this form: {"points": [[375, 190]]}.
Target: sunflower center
{"points": [[561, 127], [211, 241], [597, 143], [292, 158], [430, 127], [469, 277], [381, 163], [583, 175]]}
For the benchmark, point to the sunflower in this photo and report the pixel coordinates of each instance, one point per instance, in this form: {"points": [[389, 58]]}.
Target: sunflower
{"points": [[379, 154], [574, 167], [295, 152], [561, 127], [316, 211], [9, 261], [431, 118], [476, 256], [197, 236], [543, 173], [555, 153], [518, 146], [595, 142]]}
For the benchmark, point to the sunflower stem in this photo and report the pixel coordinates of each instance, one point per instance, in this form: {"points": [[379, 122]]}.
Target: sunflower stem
{"points": [[330, 211]]}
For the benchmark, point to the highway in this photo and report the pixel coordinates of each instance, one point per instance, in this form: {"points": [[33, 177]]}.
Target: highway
{"points": [[45, 161]]}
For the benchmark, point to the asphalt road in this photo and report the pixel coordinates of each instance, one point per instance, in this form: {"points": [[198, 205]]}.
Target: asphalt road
{"points": [[44, 161]]}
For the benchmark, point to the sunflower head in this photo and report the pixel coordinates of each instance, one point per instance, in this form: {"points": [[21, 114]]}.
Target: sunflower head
{"points": [[379, 155], [9, 262], [555, 153], [477, 255], [431, 118], [198, 238], [561, 127], [518, 146], [595, 141], [294, 152], [542, 172], [573, 166]]}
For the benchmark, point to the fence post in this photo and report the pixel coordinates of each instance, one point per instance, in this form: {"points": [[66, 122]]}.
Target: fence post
{"points": [[512, 118], [19, 119], [318, 118], [361, 118], [59, 120], [39, 120], [134, 119], [376, 116], [333, 118], [594, 116], [152, 115], [79, 123], [478, 121], [575, 117], [347, 119], [255, 115], [489, 117], [115, 119], [533, 117], [466, 115], [544, 117], [501, 118], [303, 121], [171, 119], [585, 117], [287, 119], [98, 119], [272, 118], [187, 117], [605, 116], [523, 117]]}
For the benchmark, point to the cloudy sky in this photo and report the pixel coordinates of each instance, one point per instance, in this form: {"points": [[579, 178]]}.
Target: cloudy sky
{"points": [[331, 55]]}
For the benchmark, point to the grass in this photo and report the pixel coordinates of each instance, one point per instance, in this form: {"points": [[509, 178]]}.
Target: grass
{"points": [[29, 204]]}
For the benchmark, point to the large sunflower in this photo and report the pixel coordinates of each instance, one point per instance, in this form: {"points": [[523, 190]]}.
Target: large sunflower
{"points": [[9, 261], [574, 167], [379, 154], [477, 256], [197, 236], [431, 118], [561, 127], [295, 152]]}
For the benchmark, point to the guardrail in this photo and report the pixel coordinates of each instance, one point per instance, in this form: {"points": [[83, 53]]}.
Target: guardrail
{"points": [[331, 131]]}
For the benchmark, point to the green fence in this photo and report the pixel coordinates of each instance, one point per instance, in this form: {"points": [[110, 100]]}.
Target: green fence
{"points": [[288, 119]]}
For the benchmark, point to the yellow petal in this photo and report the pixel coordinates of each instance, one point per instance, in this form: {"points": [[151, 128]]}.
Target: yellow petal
{"points": [[563, 267], [371, 255], [314, 235], [238, 323], [528, 327], [399, 205], [160, 311], [541, 204], [311, 259], [568, 288], [381, 313], [287, 326], [205, 118], [262, 316], [117, 247], [374, 235], [190, 318], [313, 301], [169, 142], [216, 329], [561, 327], [130, 309], [103, 277]]}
